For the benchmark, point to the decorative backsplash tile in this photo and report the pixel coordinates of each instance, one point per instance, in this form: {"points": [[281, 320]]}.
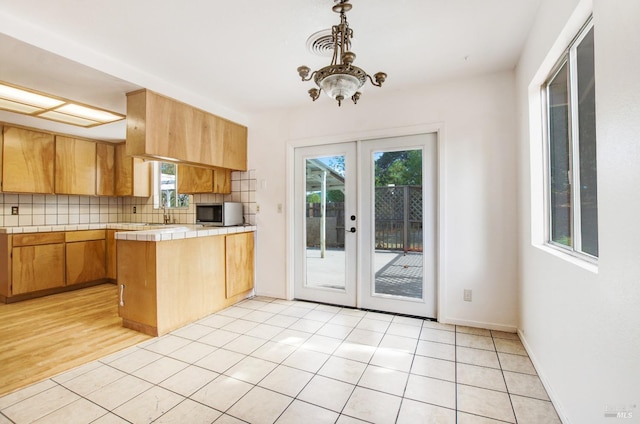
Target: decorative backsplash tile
{"points": [[40, 209]]}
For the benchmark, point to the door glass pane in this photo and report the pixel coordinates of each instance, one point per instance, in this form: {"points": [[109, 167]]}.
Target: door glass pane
{"points": [[325, 223], [398, 223], [559, 155], [587, 140]]}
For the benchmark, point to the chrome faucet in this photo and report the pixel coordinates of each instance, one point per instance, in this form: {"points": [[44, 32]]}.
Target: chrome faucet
{"points": [[165, 216]]}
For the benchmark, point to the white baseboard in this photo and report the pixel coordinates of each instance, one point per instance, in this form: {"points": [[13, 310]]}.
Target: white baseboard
{"points": [[545, 382], [269, 294], [479, 324]]}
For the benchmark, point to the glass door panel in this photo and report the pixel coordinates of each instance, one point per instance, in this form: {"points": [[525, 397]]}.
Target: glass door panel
{"points": [[325, 264], [398, 224], [397, 220], [324, 222]]}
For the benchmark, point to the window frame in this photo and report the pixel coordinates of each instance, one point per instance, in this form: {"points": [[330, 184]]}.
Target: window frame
{"points": [[569, 58], [157, 190]]}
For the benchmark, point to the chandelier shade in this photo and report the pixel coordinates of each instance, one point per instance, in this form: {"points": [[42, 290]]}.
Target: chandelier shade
{"points": [[341, 79]]}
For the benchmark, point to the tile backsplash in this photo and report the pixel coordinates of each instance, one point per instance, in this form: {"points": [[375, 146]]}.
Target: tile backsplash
{"points": [[40, 209]]}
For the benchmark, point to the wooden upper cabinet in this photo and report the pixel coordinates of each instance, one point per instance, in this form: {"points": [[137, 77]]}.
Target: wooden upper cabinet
{"points": [[75, 166], [192, 180], [162, 128], [105, 169], [221, 180], [235, 146], [28, 158], [133, 175]]}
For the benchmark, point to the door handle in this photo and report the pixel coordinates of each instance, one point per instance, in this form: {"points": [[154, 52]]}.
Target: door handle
{"points": [[351, 230], [121, 294]]}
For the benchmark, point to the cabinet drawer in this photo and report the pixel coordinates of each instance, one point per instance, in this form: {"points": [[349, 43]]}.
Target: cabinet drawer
{"points": [[35, 239], [85, 235]]}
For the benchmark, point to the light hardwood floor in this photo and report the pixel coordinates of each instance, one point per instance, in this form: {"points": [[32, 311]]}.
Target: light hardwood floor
{"points": [[40, 338]]}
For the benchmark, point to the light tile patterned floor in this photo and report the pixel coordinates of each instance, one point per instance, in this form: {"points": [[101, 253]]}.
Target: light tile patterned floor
{"points": [[274, 361]]}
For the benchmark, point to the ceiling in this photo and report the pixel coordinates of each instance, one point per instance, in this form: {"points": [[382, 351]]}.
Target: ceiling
{"points": [[236, 58]]}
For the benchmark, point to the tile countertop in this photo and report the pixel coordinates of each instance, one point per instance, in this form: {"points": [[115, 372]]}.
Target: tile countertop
{"points": [[138, 231]]}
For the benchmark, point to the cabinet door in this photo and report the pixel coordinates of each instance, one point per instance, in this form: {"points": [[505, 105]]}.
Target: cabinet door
{"points": [[27, 161], [133, 175], [37, 268], [105, 169], [221, 180], [235, 146], [239, 263], [137, 282], [75, 166], [192, 179], [85, 261]]}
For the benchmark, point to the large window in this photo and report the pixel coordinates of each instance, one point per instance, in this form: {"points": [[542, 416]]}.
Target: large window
{"points": [[571, 132]]}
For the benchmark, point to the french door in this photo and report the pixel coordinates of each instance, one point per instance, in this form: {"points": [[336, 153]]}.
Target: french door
{"points": [[325, 246], [365, 224]]}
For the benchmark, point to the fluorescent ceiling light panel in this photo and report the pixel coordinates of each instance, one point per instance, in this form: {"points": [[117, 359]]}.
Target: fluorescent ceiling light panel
{"points": [[32, 103], [18, 107], [88, 113], [68, 119], [28, 97]]}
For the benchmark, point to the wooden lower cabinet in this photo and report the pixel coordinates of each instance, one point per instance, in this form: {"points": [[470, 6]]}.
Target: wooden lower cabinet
{"points": [[37, 268], [239, 263], [168, 284], [85, 256], [85, 261], [37, 264]]}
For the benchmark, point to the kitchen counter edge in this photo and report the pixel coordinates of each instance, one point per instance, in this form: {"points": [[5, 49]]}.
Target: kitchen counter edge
{"points": [[138, 232]]}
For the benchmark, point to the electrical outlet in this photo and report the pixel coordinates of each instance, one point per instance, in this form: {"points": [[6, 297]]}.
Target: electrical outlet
{"points": [[134, 209], [14, 210], [467, 295], [257, 208]]}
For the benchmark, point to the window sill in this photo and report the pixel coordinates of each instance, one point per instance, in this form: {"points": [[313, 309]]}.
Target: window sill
{"points": [[572, 259]]}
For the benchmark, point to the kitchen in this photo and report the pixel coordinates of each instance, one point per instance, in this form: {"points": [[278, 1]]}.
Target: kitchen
{"points": [[469, 72], [67, 241]]}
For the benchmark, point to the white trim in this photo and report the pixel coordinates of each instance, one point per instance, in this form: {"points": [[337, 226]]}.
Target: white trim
{"points": [[545, 382], [480, 324], [570, 256]]}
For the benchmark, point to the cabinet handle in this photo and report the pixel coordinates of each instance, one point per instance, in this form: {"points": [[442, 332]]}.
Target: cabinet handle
{"points": [[121, 294]]}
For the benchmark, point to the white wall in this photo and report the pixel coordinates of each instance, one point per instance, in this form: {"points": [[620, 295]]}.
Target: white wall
{"points": [[478, 169], [582, 328]]}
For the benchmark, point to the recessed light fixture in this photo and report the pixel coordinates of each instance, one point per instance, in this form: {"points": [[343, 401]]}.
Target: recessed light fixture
{"points": [[42, 105]]}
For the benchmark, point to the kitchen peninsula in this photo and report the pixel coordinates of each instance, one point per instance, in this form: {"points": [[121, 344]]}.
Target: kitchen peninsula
{"points": [[170, 277]]}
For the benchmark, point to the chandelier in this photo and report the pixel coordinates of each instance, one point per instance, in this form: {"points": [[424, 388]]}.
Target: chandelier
{"points": [[341, 79]]}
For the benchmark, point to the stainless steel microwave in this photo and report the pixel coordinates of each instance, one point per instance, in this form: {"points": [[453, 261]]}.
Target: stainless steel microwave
{"points": [[220, 214]]}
